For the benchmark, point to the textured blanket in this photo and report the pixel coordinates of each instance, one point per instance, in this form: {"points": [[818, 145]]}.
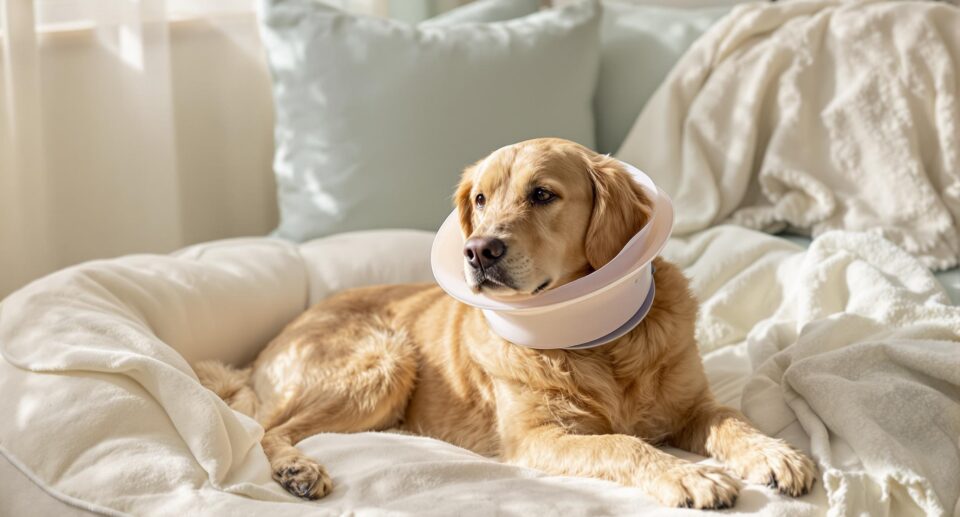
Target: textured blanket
{"points": [[815, 115], [853, 341]]}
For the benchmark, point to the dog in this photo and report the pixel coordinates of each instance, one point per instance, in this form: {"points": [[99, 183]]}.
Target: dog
{"points": [[535, 215]]}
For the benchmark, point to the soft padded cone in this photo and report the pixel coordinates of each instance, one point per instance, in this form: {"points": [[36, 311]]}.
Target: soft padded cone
{"points": [[589, 311]]}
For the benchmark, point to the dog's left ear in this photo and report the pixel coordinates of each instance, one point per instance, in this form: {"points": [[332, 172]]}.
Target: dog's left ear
{"points": [[620, 209], [464, 201]]}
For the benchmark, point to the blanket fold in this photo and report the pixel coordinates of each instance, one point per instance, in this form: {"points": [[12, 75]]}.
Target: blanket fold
{"points": [[815, 116]]}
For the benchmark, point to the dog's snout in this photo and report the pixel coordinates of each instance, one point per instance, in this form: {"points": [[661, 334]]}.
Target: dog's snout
{"points": [[483, 252]]}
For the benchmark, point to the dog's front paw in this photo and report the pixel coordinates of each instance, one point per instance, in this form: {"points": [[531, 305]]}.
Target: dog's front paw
{"points": [[690, 485], [776, 464], [303, 477]]}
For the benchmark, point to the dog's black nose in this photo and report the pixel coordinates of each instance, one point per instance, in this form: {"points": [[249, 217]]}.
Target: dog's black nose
{"points": [[483, 252]]}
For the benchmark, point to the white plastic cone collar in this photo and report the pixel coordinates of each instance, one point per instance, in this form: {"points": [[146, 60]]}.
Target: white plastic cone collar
{"points": [[589, 311]]}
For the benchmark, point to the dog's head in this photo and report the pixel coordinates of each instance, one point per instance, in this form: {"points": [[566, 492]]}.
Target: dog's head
{"points": [[541, 213]]}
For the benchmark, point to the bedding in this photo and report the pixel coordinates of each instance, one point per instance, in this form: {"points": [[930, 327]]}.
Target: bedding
{"points": [[813, 116], [103, 350], [376, 119]]}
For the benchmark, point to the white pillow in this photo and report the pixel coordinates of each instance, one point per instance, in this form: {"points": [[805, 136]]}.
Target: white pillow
{"points": [[376, 118]]}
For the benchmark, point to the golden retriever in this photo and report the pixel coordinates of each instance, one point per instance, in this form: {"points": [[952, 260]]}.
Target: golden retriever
{"points": [[536, 214]]}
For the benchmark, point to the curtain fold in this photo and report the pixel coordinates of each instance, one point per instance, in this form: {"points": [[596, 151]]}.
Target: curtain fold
{"points": [[24, 226]]}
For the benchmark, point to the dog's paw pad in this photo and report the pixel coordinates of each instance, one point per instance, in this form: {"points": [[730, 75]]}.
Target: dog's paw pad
{"points": [[696, 486], [777, 465], [304, 478]]}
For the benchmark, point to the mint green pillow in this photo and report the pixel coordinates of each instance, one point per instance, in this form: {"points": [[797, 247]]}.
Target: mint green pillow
{"points": [[375, 119], [639, 46]]}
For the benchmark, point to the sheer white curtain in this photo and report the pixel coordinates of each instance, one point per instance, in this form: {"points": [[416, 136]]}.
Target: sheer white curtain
{"points": [[129, 126]]}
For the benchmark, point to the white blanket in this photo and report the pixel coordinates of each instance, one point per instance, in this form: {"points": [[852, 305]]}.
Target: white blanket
{"points": [[816, 115], [852, 340]]}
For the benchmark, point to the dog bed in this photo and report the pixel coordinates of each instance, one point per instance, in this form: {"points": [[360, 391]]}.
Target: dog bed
{"points": [[103, 412]]}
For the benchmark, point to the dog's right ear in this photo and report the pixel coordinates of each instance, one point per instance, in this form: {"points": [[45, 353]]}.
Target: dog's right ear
{"points": [[463, 199]]}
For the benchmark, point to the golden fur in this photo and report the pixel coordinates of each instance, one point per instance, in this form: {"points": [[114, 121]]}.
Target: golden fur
{"points": [[411, 357]]}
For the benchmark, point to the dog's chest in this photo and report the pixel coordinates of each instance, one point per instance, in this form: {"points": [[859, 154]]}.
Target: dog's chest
{"points": [[602, 393], [644, 408]]}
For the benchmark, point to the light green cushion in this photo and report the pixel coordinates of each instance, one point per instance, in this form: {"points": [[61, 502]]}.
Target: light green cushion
{"points": [[640, 45], [375, 119]]}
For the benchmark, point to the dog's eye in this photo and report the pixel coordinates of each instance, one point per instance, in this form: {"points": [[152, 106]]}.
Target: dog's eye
{"points": [[541, 196], [481, 200]]}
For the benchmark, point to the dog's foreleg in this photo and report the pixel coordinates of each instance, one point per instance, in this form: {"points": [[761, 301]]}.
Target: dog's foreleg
{"points": [[624, 459], [725, 434]]}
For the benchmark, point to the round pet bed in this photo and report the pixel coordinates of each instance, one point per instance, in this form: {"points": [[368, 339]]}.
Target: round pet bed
{"points": [[102, 410]]}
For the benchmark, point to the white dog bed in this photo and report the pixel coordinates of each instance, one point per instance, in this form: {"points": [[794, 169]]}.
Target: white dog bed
{"points": [[102, 410]]}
